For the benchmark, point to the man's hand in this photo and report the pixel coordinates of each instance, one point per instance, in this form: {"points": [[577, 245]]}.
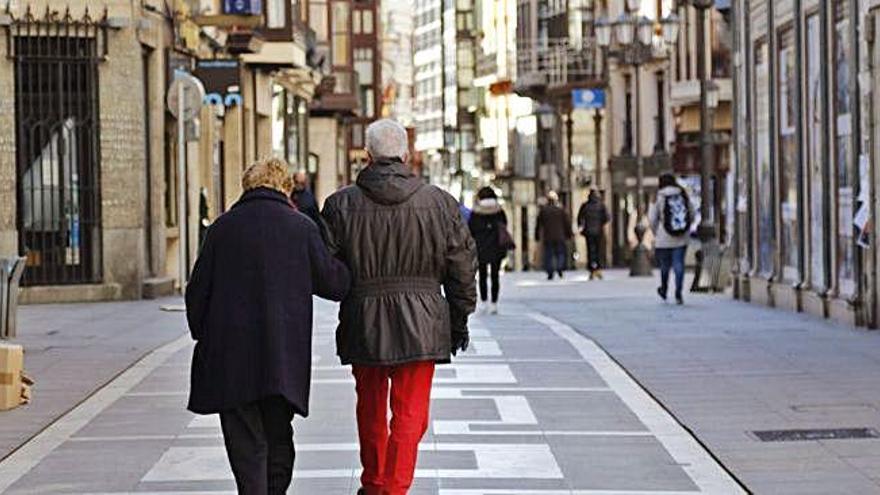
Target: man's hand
{"points": [[460, 342]]}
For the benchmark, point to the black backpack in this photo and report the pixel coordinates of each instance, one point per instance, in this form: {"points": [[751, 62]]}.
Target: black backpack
{"points": [[677, 215]]}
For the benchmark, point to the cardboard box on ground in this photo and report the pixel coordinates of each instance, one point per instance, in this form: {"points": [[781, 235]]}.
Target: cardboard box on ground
{"points": [[15, 387]]}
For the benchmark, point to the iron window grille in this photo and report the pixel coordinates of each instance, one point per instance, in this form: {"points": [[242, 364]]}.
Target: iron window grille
{"points": [[57, 129]]}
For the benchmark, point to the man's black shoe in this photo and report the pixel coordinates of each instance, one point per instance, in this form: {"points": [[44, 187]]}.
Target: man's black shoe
{"points": [[661, 292]]}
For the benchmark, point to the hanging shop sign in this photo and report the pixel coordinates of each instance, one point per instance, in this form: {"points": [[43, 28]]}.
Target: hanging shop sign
{"points": [[222, 79], [588, 98], [243, 7]]}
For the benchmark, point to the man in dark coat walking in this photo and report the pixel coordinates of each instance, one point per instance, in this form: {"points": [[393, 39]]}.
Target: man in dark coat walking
{"points": [[553, 229], [413, 267], [592, 218], [249, 308]]}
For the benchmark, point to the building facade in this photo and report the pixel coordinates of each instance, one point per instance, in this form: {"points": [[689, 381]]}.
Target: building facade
{"points": [[91, 157], [806, 141]]}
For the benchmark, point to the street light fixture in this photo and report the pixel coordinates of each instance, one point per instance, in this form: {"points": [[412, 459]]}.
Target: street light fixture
{"points": [[671, 25], [635, 36], [623, 29], [546, 116], [645, 31]]}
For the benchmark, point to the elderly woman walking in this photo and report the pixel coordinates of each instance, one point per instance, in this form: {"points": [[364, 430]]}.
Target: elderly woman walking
{"points": [[249, 308]]}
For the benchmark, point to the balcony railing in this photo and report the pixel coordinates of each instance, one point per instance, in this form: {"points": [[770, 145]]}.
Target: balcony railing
{"points": [[557, 63]]}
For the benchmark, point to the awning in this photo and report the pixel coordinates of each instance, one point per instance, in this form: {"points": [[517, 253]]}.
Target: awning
{"points": [[689, 119]]}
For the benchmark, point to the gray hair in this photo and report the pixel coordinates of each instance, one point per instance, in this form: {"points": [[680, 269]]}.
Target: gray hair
{"points": [[386, 138]]}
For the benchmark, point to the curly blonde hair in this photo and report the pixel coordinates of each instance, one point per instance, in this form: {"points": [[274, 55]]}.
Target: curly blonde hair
{"points": [[268, 172]]}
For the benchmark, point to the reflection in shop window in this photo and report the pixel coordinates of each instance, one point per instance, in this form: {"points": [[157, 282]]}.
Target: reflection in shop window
{"points": [[766, 234], [788, 156], [842, 107], [816, 166]]}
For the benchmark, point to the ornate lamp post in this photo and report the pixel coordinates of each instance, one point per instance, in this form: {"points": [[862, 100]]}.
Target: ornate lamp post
{"points": [[708, 100], [635, 39]]}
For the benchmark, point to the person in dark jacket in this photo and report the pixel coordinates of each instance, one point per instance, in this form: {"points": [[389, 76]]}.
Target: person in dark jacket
{"points": [[413, 267], [553, 230], [249, 309], [592, 218], [303, 198], [487, 220]]}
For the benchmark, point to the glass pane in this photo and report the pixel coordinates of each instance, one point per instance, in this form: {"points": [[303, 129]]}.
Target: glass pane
{"points": [[356, 22], [815, 137], [844, 152], [279, 113], [318, 19], [340, 49], [364, 71], [788, 156], [368, 22], [275, 14], [766, 234]]}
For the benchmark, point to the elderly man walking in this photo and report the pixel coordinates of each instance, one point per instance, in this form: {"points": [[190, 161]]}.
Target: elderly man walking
{"points": [[413, 286], [249, 308]]}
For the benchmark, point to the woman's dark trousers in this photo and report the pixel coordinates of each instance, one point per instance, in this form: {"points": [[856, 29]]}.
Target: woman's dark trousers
{"points": [[259, 443], [485, 268]]}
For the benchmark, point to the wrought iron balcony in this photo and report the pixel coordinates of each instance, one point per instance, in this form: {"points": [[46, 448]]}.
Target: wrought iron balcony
{"points": [[557, 65]]}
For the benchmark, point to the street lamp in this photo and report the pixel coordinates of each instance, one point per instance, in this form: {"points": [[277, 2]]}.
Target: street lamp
{"points": [[635, 37]]}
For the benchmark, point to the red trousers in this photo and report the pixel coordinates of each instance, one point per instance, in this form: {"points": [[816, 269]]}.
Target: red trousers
{"points": [[389, 458]]}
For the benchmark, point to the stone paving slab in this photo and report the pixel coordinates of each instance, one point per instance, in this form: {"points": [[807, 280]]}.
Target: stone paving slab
{"points": [[534, 408], [74, 349], [726, 368]]}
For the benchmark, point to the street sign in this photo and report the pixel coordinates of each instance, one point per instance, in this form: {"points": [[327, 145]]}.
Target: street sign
{"points": [[242, 7], [189, 106], [588, 98]]}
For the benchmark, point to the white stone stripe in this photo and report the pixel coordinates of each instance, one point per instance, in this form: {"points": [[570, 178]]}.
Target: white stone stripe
{"points": [[30, 454], [512, 433], [705, 472], [493, 461], [465, 387]]}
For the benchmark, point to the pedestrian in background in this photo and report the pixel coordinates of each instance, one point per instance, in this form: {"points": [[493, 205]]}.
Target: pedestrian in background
{"points": [[553, 230], [671, 217], [592, 218], [413, 265], [249, 309], [488, 225], [303, 198]]}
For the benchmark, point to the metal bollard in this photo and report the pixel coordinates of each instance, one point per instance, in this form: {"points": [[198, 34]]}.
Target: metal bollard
{"points": [[11, 270]]}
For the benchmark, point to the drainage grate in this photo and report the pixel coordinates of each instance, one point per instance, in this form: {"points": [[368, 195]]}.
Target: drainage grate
{"points": [[817, 434]]}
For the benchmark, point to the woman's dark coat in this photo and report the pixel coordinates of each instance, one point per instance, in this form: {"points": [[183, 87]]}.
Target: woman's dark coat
{"points": [[485, 223], [403, 241], [249, 304]]}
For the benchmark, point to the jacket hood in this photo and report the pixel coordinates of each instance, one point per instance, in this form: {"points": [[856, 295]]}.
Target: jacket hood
{"points": [[388, 182], [487, 207]]}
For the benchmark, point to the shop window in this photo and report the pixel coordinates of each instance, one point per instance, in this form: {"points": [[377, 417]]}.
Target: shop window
{"points": [[763, 161], [843, 148], [57, 153], [815, 144], [789, 162]]}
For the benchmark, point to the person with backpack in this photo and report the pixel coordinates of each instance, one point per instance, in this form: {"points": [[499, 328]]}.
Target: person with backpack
{"points": [[488, 225], [592, 218], [671, 217]]}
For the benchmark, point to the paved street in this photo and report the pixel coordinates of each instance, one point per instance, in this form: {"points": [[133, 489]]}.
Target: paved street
{"points": [[536, 407]]}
